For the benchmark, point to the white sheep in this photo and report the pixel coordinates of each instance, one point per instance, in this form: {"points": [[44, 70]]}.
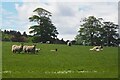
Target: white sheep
{"points": [[13, 48], [24, 48], [94, 48], [37, 49], [29, 48], [48, 42], [97, 48], [16, 48], [69, 43]]}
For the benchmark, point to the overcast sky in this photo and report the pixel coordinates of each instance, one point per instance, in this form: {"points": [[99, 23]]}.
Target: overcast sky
{"points": [[66, 14]]}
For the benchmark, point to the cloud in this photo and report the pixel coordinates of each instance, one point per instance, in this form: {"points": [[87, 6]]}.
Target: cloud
{"points": [[88, 0], [66, 16], [68, 25]]}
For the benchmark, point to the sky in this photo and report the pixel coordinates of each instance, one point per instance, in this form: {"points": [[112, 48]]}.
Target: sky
{"points": [[66, 14]]}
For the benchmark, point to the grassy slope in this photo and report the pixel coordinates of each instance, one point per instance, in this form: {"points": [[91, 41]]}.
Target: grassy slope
{"points": [[74, 58]]}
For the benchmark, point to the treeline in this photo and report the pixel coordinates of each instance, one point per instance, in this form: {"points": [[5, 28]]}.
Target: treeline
{"points": [[16, 36]]}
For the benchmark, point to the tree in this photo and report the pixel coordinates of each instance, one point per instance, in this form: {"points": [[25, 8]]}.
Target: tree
{"points": [[44, 28], [6, 37], [36, 39], [89, 31], [24, 34], [79, 40], [18, 34], [22, 39], [109, 34], [95, 32]]}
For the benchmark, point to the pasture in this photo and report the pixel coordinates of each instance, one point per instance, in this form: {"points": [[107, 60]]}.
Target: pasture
{"points": [[68, 62]]}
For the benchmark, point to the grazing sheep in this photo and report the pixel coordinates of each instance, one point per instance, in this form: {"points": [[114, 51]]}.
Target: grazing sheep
{"points": [[16, 48], [30, 49], [69, 43], [13, 48], [24, 48]]}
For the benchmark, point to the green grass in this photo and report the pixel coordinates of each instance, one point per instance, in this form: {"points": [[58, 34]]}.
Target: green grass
{"points": [[0, 60], [77, 61]]}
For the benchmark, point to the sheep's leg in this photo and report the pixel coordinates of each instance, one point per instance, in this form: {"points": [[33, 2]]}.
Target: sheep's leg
{"points": [[25, 51], [28, 52], [33, 51], [13, 51]]}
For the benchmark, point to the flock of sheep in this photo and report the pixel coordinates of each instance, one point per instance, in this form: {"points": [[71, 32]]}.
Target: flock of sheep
{"points": [[29, 49], [33, 49], [24, 48]]}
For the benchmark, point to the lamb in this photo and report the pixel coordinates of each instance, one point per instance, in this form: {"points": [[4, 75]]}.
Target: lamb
{"points": [[16, 48], [29, 48], [37, 49]]}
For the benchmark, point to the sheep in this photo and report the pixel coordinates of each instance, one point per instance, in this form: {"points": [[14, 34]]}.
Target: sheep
{"points": [[37, 49], [29, 48], [94, 48], [13, 48], [24, 48], [48, 42], [97, 48], [16, 48], [69, 43], [101, 47]]}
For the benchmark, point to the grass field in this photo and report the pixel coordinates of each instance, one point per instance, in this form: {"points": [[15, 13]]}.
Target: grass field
{"points": [[0, 60], [68, 62]]}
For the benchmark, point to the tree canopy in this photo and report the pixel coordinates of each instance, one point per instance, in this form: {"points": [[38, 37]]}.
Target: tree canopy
{"points": [[45, 29], [95, 32]]}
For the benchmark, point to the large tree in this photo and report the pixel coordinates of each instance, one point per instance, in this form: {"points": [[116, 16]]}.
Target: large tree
{"points": [[89, 31], [44, 30], [95, 32]]}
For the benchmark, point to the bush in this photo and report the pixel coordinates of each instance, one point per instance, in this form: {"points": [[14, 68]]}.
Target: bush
{"points": [[36, 39]]}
